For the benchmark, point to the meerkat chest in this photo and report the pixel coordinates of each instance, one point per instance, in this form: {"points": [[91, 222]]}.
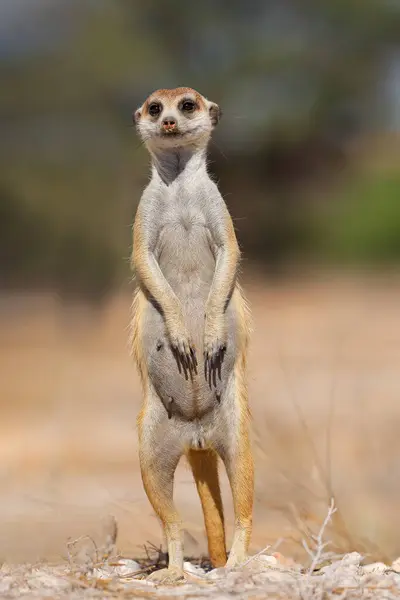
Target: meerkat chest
{"points": [[184, 209]]}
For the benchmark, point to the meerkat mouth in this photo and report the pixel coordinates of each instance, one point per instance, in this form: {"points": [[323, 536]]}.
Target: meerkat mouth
{"points": [[171, 133], [178, 133]]}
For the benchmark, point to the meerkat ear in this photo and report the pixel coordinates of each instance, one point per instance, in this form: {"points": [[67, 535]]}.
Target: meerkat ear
{"points": [[215, 113], [136, 116]]}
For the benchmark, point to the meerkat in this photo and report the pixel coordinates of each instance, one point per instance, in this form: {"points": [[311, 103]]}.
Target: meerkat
{"points": [[190, 329]]}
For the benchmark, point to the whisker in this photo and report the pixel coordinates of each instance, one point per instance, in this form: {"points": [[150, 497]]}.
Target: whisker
{"points": [[141, 143], [219, 149]]}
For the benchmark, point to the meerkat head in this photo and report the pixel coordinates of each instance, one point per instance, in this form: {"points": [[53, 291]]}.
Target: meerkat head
{"points": [[176, 118]]}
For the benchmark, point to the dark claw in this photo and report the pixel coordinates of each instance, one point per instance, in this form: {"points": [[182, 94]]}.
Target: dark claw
{"points": [[194, 359], [177, 358], [169, 411], [183, 359], [190, 360], [185, 356], [218, 365], [211, 373], [194, 362], [186, 365], [209, 365], [214, 371], [206, 365], [213, 364]]}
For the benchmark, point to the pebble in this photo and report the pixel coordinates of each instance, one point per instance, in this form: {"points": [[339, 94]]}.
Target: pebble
{"points": [[193, 569], [122, 567], [5, 584], [376, 567], [396, 565], [268, 559], [263, 575], [218, 573]]}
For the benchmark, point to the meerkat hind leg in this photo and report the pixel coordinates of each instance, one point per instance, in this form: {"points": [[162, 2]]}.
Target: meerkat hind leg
{"points": [[158, 462]]}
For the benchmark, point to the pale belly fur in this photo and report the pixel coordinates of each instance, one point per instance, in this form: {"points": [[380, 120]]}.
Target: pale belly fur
{"points": [[189, 270]]}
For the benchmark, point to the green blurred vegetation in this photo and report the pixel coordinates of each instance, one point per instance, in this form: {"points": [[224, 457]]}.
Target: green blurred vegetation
{"points": [[298, 81], [366, 224]]}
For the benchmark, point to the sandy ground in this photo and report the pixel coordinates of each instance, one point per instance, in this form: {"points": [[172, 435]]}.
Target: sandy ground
{"points": [[324, 386]]}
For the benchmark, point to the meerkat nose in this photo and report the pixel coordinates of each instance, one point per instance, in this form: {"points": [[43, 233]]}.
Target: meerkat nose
{"points": [[169, 124]]}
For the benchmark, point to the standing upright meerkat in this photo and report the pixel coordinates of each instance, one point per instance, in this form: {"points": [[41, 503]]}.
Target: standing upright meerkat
{"points": [[190, 328]]}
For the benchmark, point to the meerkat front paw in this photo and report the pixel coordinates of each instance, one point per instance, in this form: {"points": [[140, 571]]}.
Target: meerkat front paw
{"points": [[181, 343], [215, 340]]}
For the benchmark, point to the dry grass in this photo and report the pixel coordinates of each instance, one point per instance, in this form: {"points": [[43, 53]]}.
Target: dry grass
{"points": [[97, 571], [324, 386]]}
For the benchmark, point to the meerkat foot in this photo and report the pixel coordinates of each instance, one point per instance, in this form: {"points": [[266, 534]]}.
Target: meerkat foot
{"points": [[236, 560], [168, 576]]}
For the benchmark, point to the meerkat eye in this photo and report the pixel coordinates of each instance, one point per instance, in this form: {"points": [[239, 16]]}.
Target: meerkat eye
{"points": [[188, 106], [154, 109]]}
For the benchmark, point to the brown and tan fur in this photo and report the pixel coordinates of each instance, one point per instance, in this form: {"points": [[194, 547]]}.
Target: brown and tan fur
{"points": [[190, 329]]}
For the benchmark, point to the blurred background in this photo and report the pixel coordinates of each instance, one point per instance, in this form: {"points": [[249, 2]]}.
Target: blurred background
{"points": [[307, 156]]}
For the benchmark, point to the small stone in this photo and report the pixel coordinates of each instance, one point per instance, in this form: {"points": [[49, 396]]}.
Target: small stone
{"points": [[123, 567], [126, 566], [267, 558], [353, 558], [396, 565], [377, 567], [348, 563], [217, 573], [193, 569], [5, 584]]}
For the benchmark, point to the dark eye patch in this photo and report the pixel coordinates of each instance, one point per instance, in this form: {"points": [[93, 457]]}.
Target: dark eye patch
{"points": [[154, 109], [188, 105]]}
